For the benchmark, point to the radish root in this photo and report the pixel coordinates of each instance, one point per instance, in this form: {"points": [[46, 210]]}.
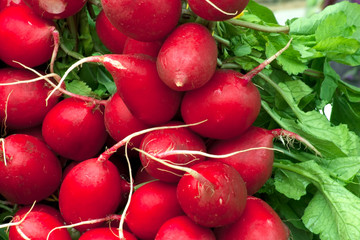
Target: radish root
{"points": [[92, 221], [11, 224], [3, 124], [3, 150], [220, 10]]}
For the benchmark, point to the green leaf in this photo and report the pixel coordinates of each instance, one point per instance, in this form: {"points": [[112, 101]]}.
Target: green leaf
{"points": [[334, 212], [290, 60], [79, 87], [86, 43], [261, 11], [290, 184], [105, 79], [344, 168], [340, 49], [330, 83], [309, 25], [345, 112]]}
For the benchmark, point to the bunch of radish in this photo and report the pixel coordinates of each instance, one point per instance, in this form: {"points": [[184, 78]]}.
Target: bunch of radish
{"points": [[180, 124]]}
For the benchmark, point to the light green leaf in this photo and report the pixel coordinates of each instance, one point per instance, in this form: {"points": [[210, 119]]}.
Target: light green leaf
{"points": [[309, 25], [261, 11], [290, 184], [334, 212], [344, 168], [290, 60], [78, 87]]}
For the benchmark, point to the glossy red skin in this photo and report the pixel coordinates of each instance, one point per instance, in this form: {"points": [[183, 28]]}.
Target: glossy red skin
{"points": [[25, 104], [38, 223], [120, 122], [143, 20], [56, 9], [75, 129], [255, 166], [106, 233], [6, 3], [40, 207], [208, 12], [228, 103], [33, 172], [90, 190], [215, 208], [141, 89], [112, 38], [25, 37], [188, 57], [160, 141], [151, 205], [257, 221], [183, 226], [148, 48]]}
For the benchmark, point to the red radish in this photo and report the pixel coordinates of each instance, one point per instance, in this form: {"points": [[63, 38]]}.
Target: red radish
{"points": [[29, 170], [148, 48], [214, 199], [229, 102], [157, 142], [217, 10], [105, 233], [6, 3], [139, 85], [37, 223], [23, 105], [56, 9], [112, 38], [90, 190], [120, 122], [25, 37], [41, 207], [188, 57], [254, 166], [75, 129], [143, 20], [142, 176], [258, 221], [151, 205], [184, 227]]}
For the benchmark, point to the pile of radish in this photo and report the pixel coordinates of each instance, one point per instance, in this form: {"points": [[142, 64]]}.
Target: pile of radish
{"points": [[172, 154]]}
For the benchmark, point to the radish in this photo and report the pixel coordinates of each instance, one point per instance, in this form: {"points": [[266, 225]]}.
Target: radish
{"points": [[157, 142], [112, 38], [148, 48], [37, 223], [23, 105], [143, 20], [91, 190], [217, 10], [120, 122], [29, 170], [255, 166], [105, 233], [151, 205], [215, 196], [188, 57], [183, 226], [139, 86], [258, 221], [75, 129], [229, 102], [56, 9], [6, 3], [25, 37]]}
